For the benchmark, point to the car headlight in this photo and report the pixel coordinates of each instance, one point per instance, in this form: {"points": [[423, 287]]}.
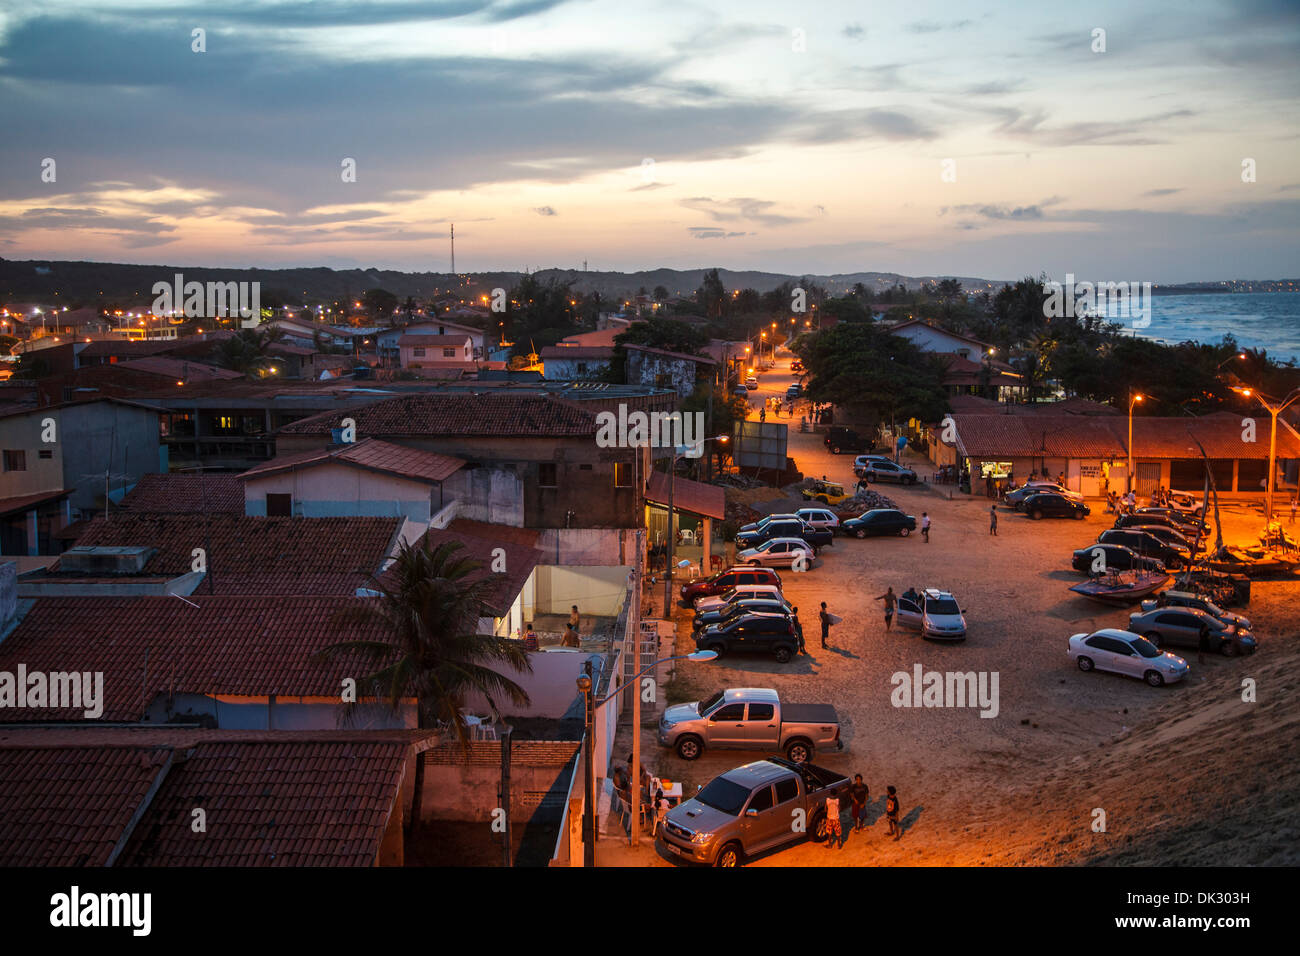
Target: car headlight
{"points": [[702, 837]]}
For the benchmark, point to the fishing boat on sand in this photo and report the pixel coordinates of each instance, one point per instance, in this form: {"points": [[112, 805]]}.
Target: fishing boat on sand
{"points": [[1253, 562], [1121, 587]]}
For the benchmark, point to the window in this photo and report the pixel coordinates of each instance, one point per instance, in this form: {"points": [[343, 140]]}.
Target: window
{"points": [[786, 789], [46, 454], [547, 474], [732, 712], [448, 353], [663, 380], [762, 800], [15, 459], [622, 474], [279, 506], [418, 353], [761, 711], [582, 368]]}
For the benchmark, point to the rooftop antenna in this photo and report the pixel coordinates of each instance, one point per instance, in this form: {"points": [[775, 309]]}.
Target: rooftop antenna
{"points": [[453, 248]]}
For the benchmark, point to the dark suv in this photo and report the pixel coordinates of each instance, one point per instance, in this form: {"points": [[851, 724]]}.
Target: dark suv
{"points": [[840, 439], [1054, 506], [724, 581], [817, 537], [1146, 544], [773, 634]]}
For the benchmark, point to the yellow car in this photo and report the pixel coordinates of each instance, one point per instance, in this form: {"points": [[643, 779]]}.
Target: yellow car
{"points": [[825, 492]]}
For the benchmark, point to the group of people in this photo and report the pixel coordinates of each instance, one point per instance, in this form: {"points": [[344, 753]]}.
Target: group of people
{"points": [[1117, 505], [859, 797], [824, 618], [656, 803], [776, 404], [570, 638]]}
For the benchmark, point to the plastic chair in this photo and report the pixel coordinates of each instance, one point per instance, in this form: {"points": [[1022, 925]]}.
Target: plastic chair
{"points": [[715, 561], [688, 536]]}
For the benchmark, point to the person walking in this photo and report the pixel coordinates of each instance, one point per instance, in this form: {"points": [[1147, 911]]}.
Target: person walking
{"points": [[575, 619], [891, 813], [530, 638], [798, 629], [859, 795], [1293, 507], [762, 414], [826, 623], [834, 834], [993, 520], [925, 526], [890, 600]]}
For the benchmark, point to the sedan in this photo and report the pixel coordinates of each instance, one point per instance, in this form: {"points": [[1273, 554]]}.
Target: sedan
{"points": [[1146, 544], [1146, 518], [819, 518], [1100, 558], [763, 522], [1051, 505], [888, 471], [1175, 518], [879, 521], [1018, 495], [1188, 599], [745, 606], [793, 553], [705, 604], [1168, 535], [934, 613], [1186, 626], [1123, 652]]}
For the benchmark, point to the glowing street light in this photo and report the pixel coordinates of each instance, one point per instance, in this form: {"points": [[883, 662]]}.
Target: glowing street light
{"points": [[1134, 398], [1274, 409]]}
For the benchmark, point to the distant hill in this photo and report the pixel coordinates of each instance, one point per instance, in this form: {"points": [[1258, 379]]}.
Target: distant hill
{"points": [[91, 282]]}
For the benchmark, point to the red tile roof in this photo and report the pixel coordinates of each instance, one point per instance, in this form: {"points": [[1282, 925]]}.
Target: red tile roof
{"points": [[24, 502], [530, 416], [186, 494], [179, 369], [256, 555], [697, 359], [693, 496], [519, 562], [290, 803], [371, 454], [147, 646], [70, 806], [524, 537]]}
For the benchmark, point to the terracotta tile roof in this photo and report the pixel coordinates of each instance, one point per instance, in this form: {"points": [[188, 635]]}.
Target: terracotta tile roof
{"points": [[369, 453], [524, 537], [23, 502], [256, 555], [1106, 436], [186, 494], [693, 496], [147, 646], [70, 806], [601, 337], [697, 359], [179, 369], [103, 348], [520, 560], [290, 803], [531, 416]]}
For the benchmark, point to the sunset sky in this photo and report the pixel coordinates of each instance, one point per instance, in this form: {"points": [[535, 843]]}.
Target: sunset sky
{"points": [[658, 134]]}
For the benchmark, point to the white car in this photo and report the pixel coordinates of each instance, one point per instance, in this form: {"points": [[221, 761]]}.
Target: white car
{"points": [[934, 613], [1124, 652], [751, 382], [744, 591], [818, 518], [792, 553], [740, 391], [860, 463]]}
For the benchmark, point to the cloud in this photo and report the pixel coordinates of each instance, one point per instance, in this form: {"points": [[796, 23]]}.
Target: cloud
{"points": [[742, 209], [709, 232], [854, 31], [1162, 192], [933, 26], [545, 211], [994, 211]]}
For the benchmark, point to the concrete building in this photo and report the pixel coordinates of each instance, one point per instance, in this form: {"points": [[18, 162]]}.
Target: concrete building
{"points": [[574, 363], [432, 351], [664, 369]]}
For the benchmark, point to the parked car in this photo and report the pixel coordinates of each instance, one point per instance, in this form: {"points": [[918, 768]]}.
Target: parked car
{"points": [[765, 521], [879, 521], [888, 471], [826, 492], [860, 463], [1123, 652], [934, 613], [748, 810], [1184, 627], [840, 440], [795, 528], [1188, 599], [1016, 496], [1143, 518], [792, 553], [1178, 518], [796, 365], [819, 518], [1115, 557], [723, 581], [751, 383], [1170, 536], [750, 718], [1146, 544], [740, 391], [713, 602], [1052, 505], [774, 634], [1187, 503], [763, 605], [793, 391]]}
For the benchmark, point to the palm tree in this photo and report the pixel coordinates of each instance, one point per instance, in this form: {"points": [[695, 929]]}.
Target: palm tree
{"points": [[430, 601]]}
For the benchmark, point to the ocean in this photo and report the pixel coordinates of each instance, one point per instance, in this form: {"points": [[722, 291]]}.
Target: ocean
{"points": [[1258, 320]]}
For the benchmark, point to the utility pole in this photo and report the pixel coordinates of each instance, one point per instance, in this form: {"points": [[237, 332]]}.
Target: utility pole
{"points": [[453, 248]]}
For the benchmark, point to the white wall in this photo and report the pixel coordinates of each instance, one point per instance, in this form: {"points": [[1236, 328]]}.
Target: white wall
{"points": [[335, 490], [596, 590], [552, 687]]}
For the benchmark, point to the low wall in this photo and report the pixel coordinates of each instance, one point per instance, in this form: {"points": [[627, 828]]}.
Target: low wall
{"points": [[463, 785], [552, 687]]}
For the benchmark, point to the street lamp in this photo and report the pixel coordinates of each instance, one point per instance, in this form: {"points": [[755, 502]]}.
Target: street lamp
{"points": [[672, 540], [590, 706], [1274, 409], [1133, 399], [1230, 358]]}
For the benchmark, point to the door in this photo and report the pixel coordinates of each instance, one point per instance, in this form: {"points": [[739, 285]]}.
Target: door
{"points": [[1127, 660], [1148, 476], [1180, 628], [909, 613], [1102, 652], [761, 728], [759, 821], [726, 727]]}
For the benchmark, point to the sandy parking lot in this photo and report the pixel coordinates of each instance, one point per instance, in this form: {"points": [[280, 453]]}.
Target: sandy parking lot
{"points": [[952, 766]]}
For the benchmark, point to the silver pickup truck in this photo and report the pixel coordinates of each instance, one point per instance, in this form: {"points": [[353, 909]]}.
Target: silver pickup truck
{"points": [[750, 718], [753, 808]]}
